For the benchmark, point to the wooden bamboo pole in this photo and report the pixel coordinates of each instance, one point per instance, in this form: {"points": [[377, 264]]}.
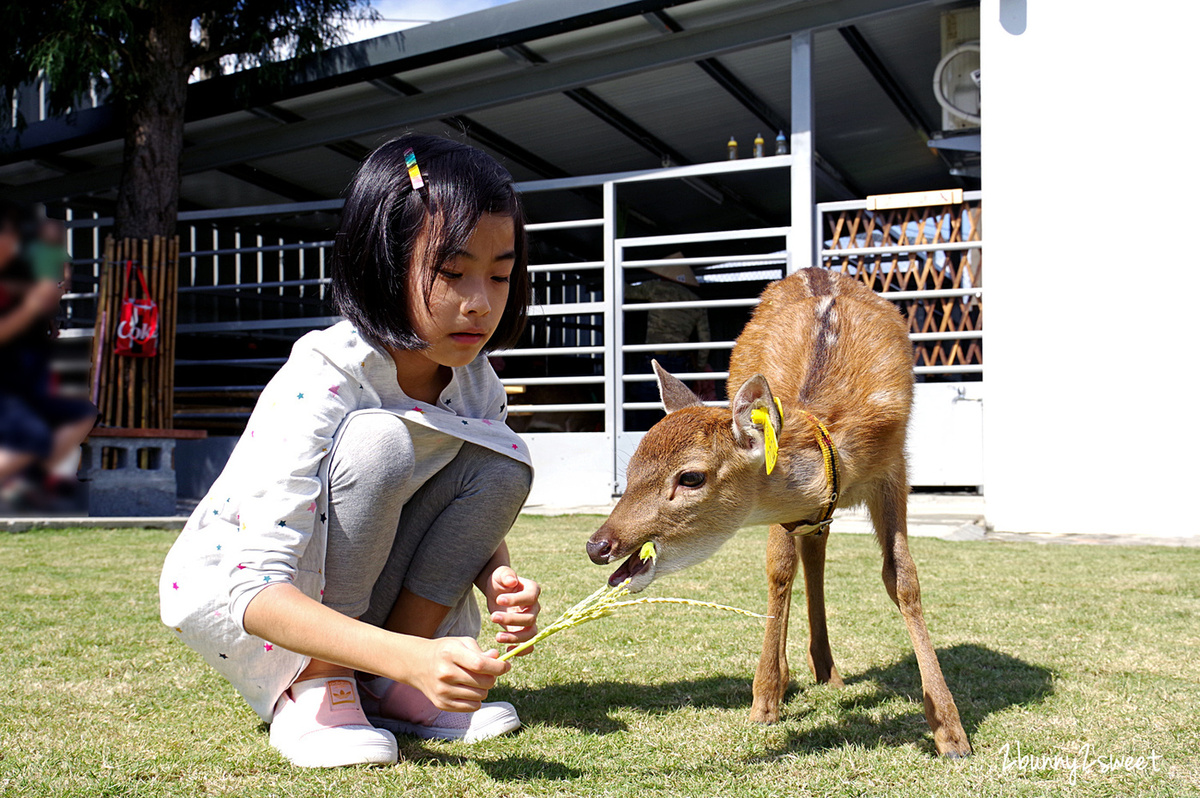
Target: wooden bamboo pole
{"points": [[114, 362], [164, 326], [123, 362], [114, 377], [173, 323], [173, 300], [100, 331], [110, 370], [109, 282], [143, 364], [126, 395], [106, 374], [164, 362], [150, 364], [153, 371]]}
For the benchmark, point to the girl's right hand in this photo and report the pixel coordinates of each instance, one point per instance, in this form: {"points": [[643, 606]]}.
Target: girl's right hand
{"points": [[456, 675]]}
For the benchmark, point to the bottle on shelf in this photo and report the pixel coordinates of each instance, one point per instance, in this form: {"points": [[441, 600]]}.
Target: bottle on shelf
{"points": [[732, 148], [759, 146], [780, 144]]}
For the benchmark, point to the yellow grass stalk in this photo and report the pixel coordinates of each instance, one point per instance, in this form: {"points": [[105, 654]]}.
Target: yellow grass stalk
{"points": [[607, 600]]}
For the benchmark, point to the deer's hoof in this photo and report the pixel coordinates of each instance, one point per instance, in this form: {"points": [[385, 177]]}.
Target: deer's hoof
{"points": [[764, 715], [954, 750]]}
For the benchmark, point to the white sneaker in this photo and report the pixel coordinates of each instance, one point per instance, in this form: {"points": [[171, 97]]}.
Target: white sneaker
{"points": [[490, 720], [319, 723], [386, 701]]}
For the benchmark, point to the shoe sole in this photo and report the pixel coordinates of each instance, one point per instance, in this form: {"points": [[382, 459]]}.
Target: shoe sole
{"points": [[440, 733], [322, 759], [381, 751]]}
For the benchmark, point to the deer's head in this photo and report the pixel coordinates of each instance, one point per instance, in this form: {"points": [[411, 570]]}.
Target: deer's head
{"points": [[691, 484]]}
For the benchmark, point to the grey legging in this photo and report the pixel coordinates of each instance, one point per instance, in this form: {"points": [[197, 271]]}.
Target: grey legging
{"points": [[434, 543]]}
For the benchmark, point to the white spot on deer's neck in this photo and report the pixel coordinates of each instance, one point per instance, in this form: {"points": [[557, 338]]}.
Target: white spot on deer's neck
{"points": [[884, 397]]}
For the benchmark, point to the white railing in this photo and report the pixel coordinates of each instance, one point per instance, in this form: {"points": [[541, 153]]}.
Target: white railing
{"points": [[277, 285]]}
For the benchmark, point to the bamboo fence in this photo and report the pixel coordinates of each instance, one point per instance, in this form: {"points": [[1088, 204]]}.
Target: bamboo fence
{"points": [[136, 392], [936, 263]]}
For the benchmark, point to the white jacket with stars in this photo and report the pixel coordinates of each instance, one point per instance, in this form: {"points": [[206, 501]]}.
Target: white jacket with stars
{"points": [[263, 520]]}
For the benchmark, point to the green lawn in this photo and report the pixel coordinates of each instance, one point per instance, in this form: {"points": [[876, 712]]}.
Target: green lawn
{"points": [[1088, 652]]}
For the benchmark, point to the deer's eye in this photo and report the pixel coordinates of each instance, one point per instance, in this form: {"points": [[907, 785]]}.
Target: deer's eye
{"points": [[691, 479]]}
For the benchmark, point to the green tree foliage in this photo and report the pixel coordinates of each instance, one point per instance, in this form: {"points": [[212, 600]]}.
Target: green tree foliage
{"points": [[140, 54]]}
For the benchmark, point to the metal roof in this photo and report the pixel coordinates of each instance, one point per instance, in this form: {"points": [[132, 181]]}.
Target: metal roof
{"points": [[551, 89]]}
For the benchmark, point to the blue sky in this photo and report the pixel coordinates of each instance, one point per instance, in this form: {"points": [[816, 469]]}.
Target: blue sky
{"points": [[402, 14], [395, 15]]}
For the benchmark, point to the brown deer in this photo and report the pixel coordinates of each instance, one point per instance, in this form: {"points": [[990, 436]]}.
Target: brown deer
{"points": [[823, 377]]}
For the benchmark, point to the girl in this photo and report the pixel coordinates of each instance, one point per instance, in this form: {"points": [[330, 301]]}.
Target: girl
{"points": [[376, 481]]}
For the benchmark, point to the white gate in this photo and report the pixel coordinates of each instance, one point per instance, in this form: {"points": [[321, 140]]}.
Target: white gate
{"points": [[926, 257], [581, 391]]}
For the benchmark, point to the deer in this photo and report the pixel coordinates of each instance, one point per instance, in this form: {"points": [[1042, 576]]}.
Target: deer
{"points": [[822, 386]]}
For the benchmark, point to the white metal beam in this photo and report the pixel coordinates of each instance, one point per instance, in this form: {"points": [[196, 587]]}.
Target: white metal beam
{"points": [[802, 239]]}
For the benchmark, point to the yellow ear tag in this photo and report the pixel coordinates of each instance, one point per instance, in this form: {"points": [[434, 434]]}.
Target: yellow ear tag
{"points": [[770, 444], [648, 552]]}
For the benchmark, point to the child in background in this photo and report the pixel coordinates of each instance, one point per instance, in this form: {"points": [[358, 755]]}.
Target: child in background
{"points": [[47, 254], [328, 573], [39, 430]]}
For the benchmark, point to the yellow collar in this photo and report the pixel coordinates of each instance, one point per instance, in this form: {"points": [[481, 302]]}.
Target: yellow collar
{"points": [[830, 456]]}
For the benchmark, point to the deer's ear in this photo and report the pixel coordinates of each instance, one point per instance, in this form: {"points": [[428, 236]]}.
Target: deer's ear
{"points": [[675, 395], [755, 394]]}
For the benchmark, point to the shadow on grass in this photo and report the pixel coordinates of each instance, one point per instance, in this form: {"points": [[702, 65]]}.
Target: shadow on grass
{"points": [[507, 768], [982, 681], [587, 706]]}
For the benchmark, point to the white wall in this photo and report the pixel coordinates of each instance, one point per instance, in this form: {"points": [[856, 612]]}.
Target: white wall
{"points": [[945, 434], [1090, 173], [570, 469]]}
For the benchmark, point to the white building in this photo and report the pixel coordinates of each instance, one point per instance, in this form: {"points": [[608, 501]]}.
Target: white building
{"points": [[615, 119]]}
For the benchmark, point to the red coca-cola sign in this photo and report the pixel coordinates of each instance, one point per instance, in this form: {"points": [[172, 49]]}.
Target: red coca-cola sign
{"points": [[137, 330]]}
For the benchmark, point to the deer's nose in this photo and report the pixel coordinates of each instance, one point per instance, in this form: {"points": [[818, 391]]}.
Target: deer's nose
{"points": [[600, 547]]}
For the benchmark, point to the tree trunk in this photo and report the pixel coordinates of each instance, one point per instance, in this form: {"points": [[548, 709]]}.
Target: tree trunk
{"points": [[148, 196]]}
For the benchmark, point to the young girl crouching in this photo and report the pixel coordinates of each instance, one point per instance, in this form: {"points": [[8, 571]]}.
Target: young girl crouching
{"points": [[328, 572]]}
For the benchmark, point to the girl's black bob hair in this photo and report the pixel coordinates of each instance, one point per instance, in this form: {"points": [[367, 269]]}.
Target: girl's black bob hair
{"points": [[373, 251]]}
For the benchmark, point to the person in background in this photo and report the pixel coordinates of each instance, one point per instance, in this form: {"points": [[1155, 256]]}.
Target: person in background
{"points": [[669, 283], [38, 430], [47, 254]]}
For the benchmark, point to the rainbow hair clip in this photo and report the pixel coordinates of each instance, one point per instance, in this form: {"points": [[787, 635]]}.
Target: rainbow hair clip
{"points": [[414, 172]]}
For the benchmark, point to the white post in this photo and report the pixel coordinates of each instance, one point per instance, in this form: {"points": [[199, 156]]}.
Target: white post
{"points": [[614, 395], [802, 241]]}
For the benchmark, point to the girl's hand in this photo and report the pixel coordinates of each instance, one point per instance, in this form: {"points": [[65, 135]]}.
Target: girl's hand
{"points": [[513, 602], [457, 674]]}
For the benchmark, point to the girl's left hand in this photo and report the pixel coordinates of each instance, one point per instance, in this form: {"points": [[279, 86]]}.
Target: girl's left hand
{"points": [[513, 602]]}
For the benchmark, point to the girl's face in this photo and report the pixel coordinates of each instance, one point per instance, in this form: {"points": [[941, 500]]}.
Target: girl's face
{"points": [[469, 294]]}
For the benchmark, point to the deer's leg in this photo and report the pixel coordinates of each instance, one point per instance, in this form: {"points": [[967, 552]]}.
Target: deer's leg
{"points": [[771, 678], [820, 658], [889, 512]]}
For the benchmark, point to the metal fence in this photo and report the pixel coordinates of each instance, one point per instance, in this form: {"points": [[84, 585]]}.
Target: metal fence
{"points": [[253, 279]]}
